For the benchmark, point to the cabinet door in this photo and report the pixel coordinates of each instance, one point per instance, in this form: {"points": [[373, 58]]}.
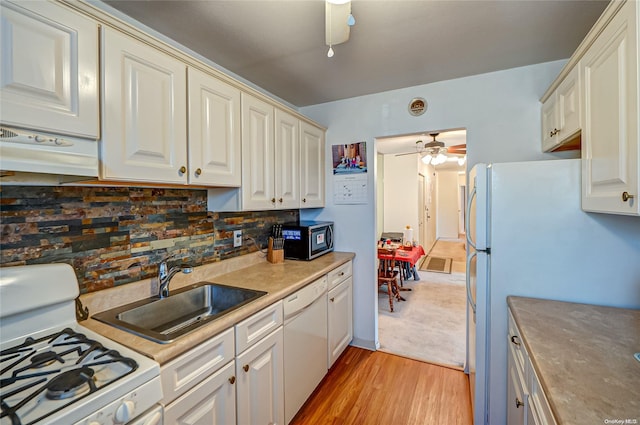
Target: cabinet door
{"points": [[568, 105], [287, 160], [610, 135], [257, 154], [145, 113], [550, 123], [311, 166], [340, 318], [214, 131], [211, 402], [516, 394], [49, 72], [260, 389]]}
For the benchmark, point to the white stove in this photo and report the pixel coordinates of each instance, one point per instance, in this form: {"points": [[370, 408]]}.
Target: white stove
{"points": [[55, 371]]}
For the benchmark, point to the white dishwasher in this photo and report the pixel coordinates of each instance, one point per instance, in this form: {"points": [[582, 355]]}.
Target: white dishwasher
{"points": [[305, 344]]}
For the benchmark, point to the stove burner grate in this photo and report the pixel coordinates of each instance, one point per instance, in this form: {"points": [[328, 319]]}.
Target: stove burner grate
{"points": [[62, 368]]}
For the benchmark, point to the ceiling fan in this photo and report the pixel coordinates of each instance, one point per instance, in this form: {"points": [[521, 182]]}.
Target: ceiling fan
{"points": [[436, 147]]}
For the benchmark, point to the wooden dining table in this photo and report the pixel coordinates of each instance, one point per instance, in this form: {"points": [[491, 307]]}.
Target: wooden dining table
{"points": [[408, 256]]}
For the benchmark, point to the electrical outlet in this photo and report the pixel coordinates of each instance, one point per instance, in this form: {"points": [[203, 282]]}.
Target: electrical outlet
{"points": [[237, 238]]}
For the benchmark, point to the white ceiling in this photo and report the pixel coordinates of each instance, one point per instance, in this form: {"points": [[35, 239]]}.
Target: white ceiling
{"points": [[279, 45]]}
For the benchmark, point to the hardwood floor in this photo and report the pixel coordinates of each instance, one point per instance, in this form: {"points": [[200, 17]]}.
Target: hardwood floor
{"points": [[366, 387]]}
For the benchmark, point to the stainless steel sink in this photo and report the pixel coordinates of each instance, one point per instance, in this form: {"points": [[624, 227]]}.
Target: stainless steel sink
{"points": [[163, 320]]}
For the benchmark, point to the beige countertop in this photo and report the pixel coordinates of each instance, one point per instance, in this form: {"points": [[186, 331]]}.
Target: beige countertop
{"points": [[253, 272], [583, 356]]}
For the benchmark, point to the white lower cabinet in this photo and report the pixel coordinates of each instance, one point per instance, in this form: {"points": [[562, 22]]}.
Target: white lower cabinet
{"points": [[260, 386], [526, 401], [340, 318], [213, 401], [339, 310]]}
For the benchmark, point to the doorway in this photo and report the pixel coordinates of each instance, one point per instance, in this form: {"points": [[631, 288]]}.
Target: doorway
{"points": [[409, 191]]}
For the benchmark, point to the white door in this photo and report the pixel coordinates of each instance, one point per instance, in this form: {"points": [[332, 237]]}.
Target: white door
{"points": [[340, 318], [213, 401], [145, 113], [431, 212], [214, 131], [311, 166], [422, 211], [260, 382], [49, 72], [287, 160], [610, 125], [257, 154]]}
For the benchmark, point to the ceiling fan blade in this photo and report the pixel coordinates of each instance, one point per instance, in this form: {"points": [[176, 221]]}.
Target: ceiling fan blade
{"points": [[460, 149], [408, 153]]}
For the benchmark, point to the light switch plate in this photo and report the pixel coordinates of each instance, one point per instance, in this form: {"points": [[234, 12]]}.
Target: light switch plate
{"points": [[237, 238]]}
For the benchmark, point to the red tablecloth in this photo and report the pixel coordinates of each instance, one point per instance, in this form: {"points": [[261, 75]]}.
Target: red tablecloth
{"points": [[410, 257]]}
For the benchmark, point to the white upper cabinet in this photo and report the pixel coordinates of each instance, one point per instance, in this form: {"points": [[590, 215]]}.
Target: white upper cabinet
{"points": [[610, 155], [257, 154], [214, 131], [282, 159], [49, 72], [287, 160], [145, 112], [311, 166], [561, 114]]}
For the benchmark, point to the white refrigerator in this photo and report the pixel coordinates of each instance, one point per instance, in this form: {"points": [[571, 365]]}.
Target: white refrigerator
{"points": [[528, 236]]}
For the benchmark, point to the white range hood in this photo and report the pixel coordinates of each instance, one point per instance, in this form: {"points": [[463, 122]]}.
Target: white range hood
{"points": [[25, 151]]}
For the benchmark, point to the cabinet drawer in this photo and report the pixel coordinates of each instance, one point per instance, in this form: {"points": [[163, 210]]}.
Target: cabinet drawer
{"points": [[252, 329], [339, 274], [186, 371]]}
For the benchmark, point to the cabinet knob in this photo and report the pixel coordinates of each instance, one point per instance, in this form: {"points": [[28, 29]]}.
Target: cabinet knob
{"points": [[332, 299], [626, 196], [183, 169], [554, 132], [515, 340], [198, 171], [518, 403], [232, 380], [280, 200], [246, 368], [304, 199], [273, 200]]}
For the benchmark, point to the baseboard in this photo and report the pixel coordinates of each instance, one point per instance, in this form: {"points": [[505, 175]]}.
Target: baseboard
{"points": [[367, 344]]}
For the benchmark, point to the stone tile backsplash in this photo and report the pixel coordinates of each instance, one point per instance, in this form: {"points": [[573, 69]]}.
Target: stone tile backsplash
{"points": [[116, 235]]}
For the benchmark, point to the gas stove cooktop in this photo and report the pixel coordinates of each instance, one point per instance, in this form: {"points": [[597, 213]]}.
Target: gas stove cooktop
{"points": [[55, 371]]}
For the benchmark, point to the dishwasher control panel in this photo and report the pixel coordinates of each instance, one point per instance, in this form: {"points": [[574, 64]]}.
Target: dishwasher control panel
{"points": [[305, 296]]}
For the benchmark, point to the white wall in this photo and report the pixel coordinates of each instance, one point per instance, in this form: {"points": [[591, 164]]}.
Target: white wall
{"points": [[447, 215], [501, 112], [400, 184]]}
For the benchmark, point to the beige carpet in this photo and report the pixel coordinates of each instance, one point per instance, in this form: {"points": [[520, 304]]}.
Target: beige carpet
{"points": [[431, 324]]}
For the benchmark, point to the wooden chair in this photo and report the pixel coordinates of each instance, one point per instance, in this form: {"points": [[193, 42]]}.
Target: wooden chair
{"points": [[388, 274]]}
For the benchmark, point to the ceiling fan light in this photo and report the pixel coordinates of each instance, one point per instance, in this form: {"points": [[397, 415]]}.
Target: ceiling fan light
{"points": [[336, 17], [441, 158], [426, 159], [462, 160]]}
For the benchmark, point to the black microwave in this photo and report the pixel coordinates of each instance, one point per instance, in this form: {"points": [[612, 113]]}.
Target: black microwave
{"points": [[307, 240]]}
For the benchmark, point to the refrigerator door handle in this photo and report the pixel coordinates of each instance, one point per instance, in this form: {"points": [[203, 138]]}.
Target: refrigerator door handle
{"points": [[467, 227], [470, 299]]}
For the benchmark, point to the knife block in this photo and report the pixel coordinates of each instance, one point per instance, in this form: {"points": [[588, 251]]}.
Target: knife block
{"points": [[274, 256]]}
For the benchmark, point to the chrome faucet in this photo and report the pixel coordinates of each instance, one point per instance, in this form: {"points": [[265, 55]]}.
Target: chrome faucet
{"points": [[165, 274]]}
